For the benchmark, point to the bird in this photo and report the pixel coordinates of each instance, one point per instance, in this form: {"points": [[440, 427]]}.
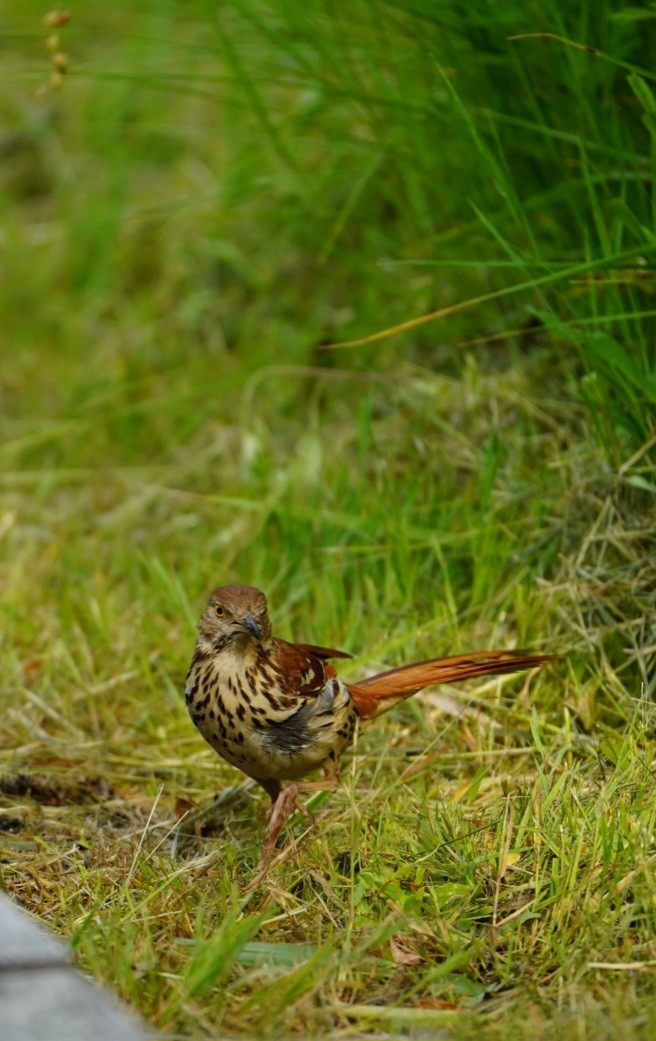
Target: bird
{"points": [[278, 711]]}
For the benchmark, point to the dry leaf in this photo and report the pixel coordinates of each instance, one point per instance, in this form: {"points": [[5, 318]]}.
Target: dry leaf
{"points": [[447, 1006], [402, 955], [183, 807], [32, 668]]}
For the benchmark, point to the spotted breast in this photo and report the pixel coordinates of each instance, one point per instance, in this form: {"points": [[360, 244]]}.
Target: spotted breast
{"points": [[275, 710]]}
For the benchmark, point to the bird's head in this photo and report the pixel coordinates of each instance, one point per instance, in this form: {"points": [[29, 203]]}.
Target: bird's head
{"points": [[235, 614]]}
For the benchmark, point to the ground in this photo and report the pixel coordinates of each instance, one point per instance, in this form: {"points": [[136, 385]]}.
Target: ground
{"points": [[194, 219]]}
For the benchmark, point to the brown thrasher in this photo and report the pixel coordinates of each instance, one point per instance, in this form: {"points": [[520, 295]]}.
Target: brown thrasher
{"points": [[277, 710]]}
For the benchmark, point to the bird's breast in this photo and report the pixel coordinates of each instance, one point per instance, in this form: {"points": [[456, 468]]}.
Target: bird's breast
{"points": [[245, 715]]}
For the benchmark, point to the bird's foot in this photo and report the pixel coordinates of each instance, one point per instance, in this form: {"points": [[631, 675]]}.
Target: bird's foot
{"points": [[330, 778]]}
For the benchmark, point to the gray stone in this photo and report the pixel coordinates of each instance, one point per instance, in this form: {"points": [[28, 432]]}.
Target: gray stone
{"points": [[24, 943], [43, 999], [57, 1004]]}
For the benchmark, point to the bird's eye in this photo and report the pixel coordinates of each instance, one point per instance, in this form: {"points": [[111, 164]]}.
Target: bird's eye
{"points": [[219, 611]]}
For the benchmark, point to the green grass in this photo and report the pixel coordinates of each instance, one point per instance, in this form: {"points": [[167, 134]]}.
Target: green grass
{"points": [[212, 196]]}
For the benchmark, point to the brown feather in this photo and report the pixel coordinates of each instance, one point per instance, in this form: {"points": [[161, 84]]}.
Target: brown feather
{"points": [[300, 669], [322, 652], [379, 693]]}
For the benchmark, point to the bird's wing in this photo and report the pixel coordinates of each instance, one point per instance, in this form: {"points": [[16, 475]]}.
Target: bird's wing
{"points": [[322, 652], [301, 670]]}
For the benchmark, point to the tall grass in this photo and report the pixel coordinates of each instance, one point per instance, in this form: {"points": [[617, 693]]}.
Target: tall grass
{"points": [[434, 153]]}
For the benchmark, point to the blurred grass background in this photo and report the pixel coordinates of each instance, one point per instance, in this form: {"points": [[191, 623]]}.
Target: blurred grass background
{"points": [[195, 215]]}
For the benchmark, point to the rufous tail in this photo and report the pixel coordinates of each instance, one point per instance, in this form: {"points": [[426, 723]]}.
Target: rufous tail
{"points": [[379, 693]]}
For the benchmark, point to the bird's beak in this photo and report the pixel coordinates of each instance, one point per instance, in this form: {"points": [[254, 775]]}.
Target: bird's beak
{"points": [[249, 623]]}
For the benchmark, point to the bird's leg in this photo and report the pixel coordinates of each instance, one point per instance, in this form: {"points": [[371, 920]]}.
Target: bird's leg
{"points": [[282, 809], [288, 798], [283, 802], [330, 773]]}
